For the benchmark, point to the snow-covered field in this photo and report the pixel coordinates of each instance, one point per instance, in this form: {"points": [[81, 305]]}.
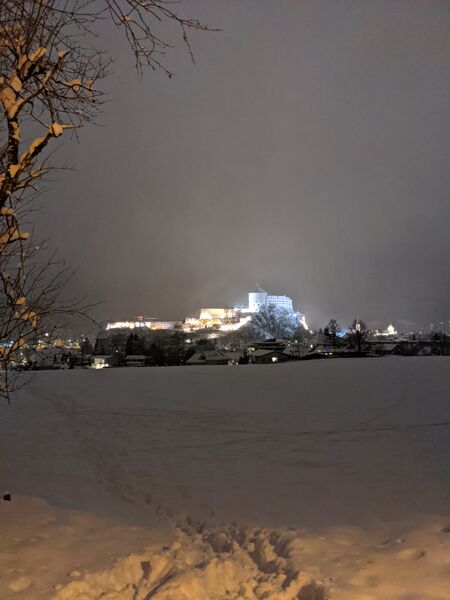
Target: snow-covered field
{"points": [[294, 481]]}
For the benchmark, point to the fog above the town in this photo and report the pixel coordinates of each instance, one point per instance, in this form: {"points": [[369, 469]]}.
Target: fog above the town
{"points": [[307, 150]]}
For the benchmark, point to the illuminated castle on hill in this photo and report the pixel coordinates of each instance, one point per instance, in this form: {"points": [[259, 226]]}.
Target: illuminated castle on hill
{"points": [[260, 299], [223, 319], [231, 319]]}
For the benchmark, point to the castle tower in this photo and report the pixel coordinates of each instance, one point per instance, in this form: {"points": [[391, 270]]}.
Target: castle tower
{"points": [[257, 299]]}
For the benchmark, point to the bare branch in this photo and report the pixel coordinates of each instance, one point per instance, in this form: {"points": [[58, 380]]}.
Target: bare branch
{"points": [[50, 81]]}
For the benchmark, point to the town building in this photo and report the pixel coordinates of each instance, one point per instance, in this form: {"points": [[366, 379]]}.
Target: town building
{"points": [[214, 357], [102, 361], [135, 360], [390, 331], [148, 323], [269, 357]]}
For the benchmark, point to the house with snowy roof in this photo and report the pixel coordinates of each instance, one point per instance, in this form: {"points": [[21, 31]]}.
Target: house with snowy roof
{"points": [[214, 357], [269, 357]]}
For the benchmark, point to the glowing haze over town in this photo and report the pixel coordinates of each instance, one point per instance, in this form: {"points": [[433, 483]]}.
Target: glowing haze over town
{"points": [[307, 150]]}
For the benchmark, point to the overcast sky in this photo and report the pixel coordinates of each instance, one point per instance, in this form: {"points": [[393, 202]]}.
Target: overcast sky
{"points": [[307, 150]]}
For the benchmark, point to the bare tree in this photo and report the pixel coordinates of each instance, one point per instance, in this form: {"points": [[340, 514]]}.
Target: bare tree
{"points": [[333, 329], [357, 333], [50, 75]]}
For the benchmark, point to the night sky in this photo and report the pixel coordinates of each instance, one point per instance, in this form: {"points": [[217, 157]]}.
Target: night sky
{"points": [[306, 150]]}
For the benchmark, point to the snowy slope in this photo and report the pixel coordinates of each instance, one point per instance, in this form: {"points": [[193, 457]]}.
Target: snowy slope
{"points": [[315, 462]]}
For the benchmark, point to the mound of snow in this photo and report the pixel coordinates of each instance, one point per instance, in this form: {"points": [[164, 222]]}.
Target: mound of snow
{"points": [[258, 564]]}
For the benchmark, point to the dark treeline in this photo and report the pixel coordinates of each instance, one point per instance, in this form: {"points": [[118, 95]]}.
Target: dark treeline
{"points": [[159, 348]]}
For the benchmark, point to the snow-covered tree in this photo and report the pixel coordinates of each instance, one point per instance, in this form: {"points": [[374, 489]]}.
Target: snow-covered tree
{"points": [[275, 322], [50, 74]]}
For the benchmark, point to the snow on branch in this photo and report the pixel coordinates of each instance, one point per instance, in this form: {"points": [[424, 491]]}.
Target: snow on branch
{"points": [[51, 71]]}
